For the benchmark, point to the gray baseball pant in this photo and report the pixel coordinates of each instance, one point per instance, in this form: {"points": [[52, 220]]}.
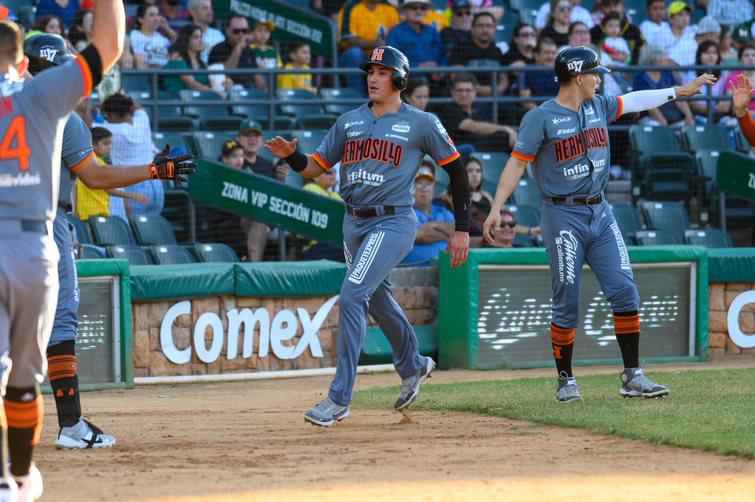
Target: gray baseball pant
{"points": [[66, 312]]}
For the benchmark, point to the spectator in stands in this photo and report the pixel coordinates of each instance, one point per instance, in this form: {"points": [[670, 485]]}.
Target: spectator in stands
{"points": [[707, 29], [150, 47], [251, 139], [51, 23], [81, 31], [465, 122], [559, 20], [418, 41], [461, 24], [234, 52], [655, 29], [300, 55], [488, 6], [746, 58], [743, 34], [725, 45], [202, 15], [480, 52], [314, 250], [363, 26], [542, 83], [708, 55], [683, 48], [184, 55], [132, 146], [579, 34], [522, 47], [265, 54], [417, 92], [328, 8], [614, 50], [578, 13], [175, 13], [435, 222], [730, 12], [630, 32], [65, 10], [232, 154], [480, 200], [504, 234], [672, 113]]}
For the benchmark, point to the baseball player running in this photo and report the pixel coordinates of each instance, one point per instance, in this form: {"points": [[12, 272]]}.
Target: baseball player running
{"points": [[32, 118], [566, 140], [380, 146], [46, 51]]}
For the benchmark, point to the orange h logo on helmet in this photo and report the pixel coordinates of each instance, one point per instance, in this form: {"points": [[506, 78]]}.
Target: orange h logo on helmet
{"points": [[377, 55]]}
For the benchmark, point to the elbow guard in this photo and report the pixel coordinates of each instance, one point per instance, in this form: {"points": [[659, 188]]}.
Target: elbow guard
{"points": [[459, 193]]}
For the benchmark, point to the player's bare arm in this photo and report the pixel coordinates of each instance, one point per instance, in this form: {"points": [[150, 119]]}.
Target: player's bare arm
{"points": [[287, 150], [108, 31], [510, 176], [741, 95]]}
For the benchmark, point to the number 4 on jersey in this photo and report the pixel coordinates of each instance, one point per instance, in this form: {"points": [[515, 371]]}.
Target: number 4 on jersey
{"points": [[16, 134]]}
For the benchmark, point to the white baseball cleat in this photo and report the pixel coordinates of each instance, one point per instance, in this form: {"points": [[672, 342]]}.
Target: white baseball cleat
{"points": [[30, 487]]}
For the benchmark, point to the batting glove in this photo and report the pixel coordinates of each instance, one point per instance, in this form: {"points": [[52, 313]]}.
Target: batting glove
{"points": [[166, 167]]}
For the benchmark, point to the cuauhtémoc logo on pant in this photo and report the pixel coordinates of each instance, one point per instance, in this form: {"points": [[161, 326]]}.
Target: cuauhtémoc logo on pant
{"points": [[566, 251]]}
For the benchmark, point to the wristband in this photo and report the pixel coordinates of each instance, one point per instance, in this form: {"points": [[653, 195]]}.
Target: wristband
{"points": [[297, 161]]}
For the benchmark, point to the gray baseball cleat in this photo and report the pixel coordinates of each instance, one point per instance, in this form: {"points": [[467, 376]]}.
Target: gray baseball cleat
{"points": [[410, 386], [636, 384], [567, 389], [326, 412]]}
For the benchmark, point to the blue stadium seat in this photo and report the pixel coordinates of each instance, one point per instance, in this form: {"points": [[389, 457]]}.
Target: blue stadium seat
{"points": [[132, 254], [670, 217], [208, 145], [259, 112], [214, 252], [92, 252], [308, 116], [628, 219], [110, 230], [655, 238], [171, 255], [666, 171], [151, 230], [709, 237], [492, 167], [707, 137], [211, 118], [174, 139], [342, 93], [526, 192], [177, 210], [80, 229]]}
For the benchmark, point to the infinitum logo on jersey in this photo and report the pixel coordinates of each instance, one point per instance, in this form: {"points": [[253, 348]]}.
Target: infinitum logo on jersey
{"points": [[379, 150], [576, 171], [365, 178], [566, 251]]}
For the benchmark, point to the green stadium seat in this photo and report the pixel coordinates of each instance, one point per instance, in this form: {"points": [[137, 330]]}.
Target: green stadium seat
{"points": [[208, 145], [214, 252], [177, 210], [654, 139], [636, 10], [308, 116], [342, 93], [310, 139], [670, 217], [527, 10], [526, 192], [628, 219], [505, 29], [655, 238], [92, 252], [707, 161], [174, 139], [665, 170], [132, 254], [211, 118], [132, 83], [260, 112], [709, 238], [80, 229], [171, 255], [151, 230], [706, 137], [492, 167], [110, 230]]}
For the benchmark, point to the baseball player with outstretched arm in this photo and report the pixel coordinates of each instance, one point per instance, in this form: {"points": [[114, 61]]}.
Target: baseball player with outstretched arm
{"points": [[380, 146], [46, 51], [741, 97], [566, 141], [32, 118]]}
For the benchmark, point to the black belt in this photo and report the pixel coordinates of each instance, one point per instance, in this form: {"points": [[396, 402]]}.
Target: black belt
{"points": [[579, 200], [370, 212], [36, 226]]}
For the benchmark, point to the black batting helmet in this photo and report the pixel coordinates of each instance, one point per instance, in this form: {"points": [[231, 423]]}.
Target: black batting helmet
{"points": [[392, 58], [574, 61], [46, 50]]}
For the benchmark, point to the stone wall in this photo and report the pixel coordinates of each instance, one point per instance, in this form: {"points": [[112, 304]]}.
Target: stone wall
{"points": [[720, 296]]}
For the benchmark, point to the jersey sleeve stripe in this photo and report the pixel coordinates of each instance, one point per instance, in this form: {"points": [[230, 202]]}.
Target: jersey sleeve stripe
{"points": [[86, 73], [449, 159], [89, 157], [620, 112], [522, 156], [321, 161]]}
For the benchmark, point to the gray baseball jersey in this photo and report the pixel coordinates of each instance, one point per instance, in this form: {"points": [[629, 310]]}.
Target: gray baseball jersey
{"points": [[569, 151], [380, 156], [32, 119], [76, 151]]}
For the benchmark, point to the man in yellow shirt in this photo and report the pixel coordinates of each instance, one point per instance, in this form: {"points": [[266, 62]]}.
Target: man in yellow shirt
{"points": [[363, 25]]}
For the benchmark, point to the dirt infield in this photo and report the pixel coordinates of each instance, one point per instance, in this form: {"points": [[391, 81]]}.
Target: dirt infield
{"points": [[247, 440]]}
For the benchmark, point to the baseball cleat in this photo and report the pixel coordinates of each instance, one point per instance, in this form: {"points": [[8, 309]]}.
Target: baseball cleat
{"points": [[83, 435], [568, 390], [636, 384], [326, 412], [30, 487], [410, 386], [8, 490]]}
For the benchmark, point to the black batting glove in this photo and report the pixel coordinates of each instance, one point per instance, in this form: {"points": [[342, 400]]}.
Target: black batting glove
{"points": [[166, 167]]}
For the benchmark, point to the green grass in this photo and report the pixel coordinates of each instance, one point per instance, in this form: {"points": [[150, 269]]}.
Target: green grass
{"points": [[712, 410]]}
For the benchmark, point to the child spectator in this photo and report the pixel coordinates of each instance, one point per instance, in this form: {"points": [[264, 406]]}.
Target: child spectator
{"points": [[267, 56], [232, 154], [614, 50], [93, 202], [300, 55], [314, 250]]}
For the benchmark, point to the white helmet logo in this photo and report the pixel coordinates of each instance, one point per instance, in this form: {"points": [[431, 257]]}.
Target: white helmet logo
{"points": [[575, 66], [48, 54]]}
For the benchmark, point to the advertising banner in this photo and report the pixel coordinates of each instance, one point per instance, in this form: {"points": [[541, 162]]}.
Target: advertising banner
{"points": [[735, 173]]}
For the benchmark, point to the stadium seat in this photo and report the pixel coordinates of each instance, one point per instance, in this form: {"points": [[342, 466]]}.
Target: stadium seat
{"points": [[342, 93], [526, 192], [80, 229], [132, 254], [707, 161], [174, 139], [706, 137], [92, 252], [132, 83], [211, 118], [309, 140], [528, 10], [151, 230], [666, 172], [628, 220], [670, 217], [653, 139], [636, 10], [309, 116], [110, 230], [709, 238], [492, 167], [208, 145], [259, 112], [177, 210], [170, 255], [505, 30], [215, 252], [655, 238]]}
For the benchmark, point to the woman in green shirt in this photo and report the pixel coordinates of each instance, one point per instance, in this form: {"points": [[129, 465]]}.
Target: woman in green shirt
{"points": [[184, 54]]}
